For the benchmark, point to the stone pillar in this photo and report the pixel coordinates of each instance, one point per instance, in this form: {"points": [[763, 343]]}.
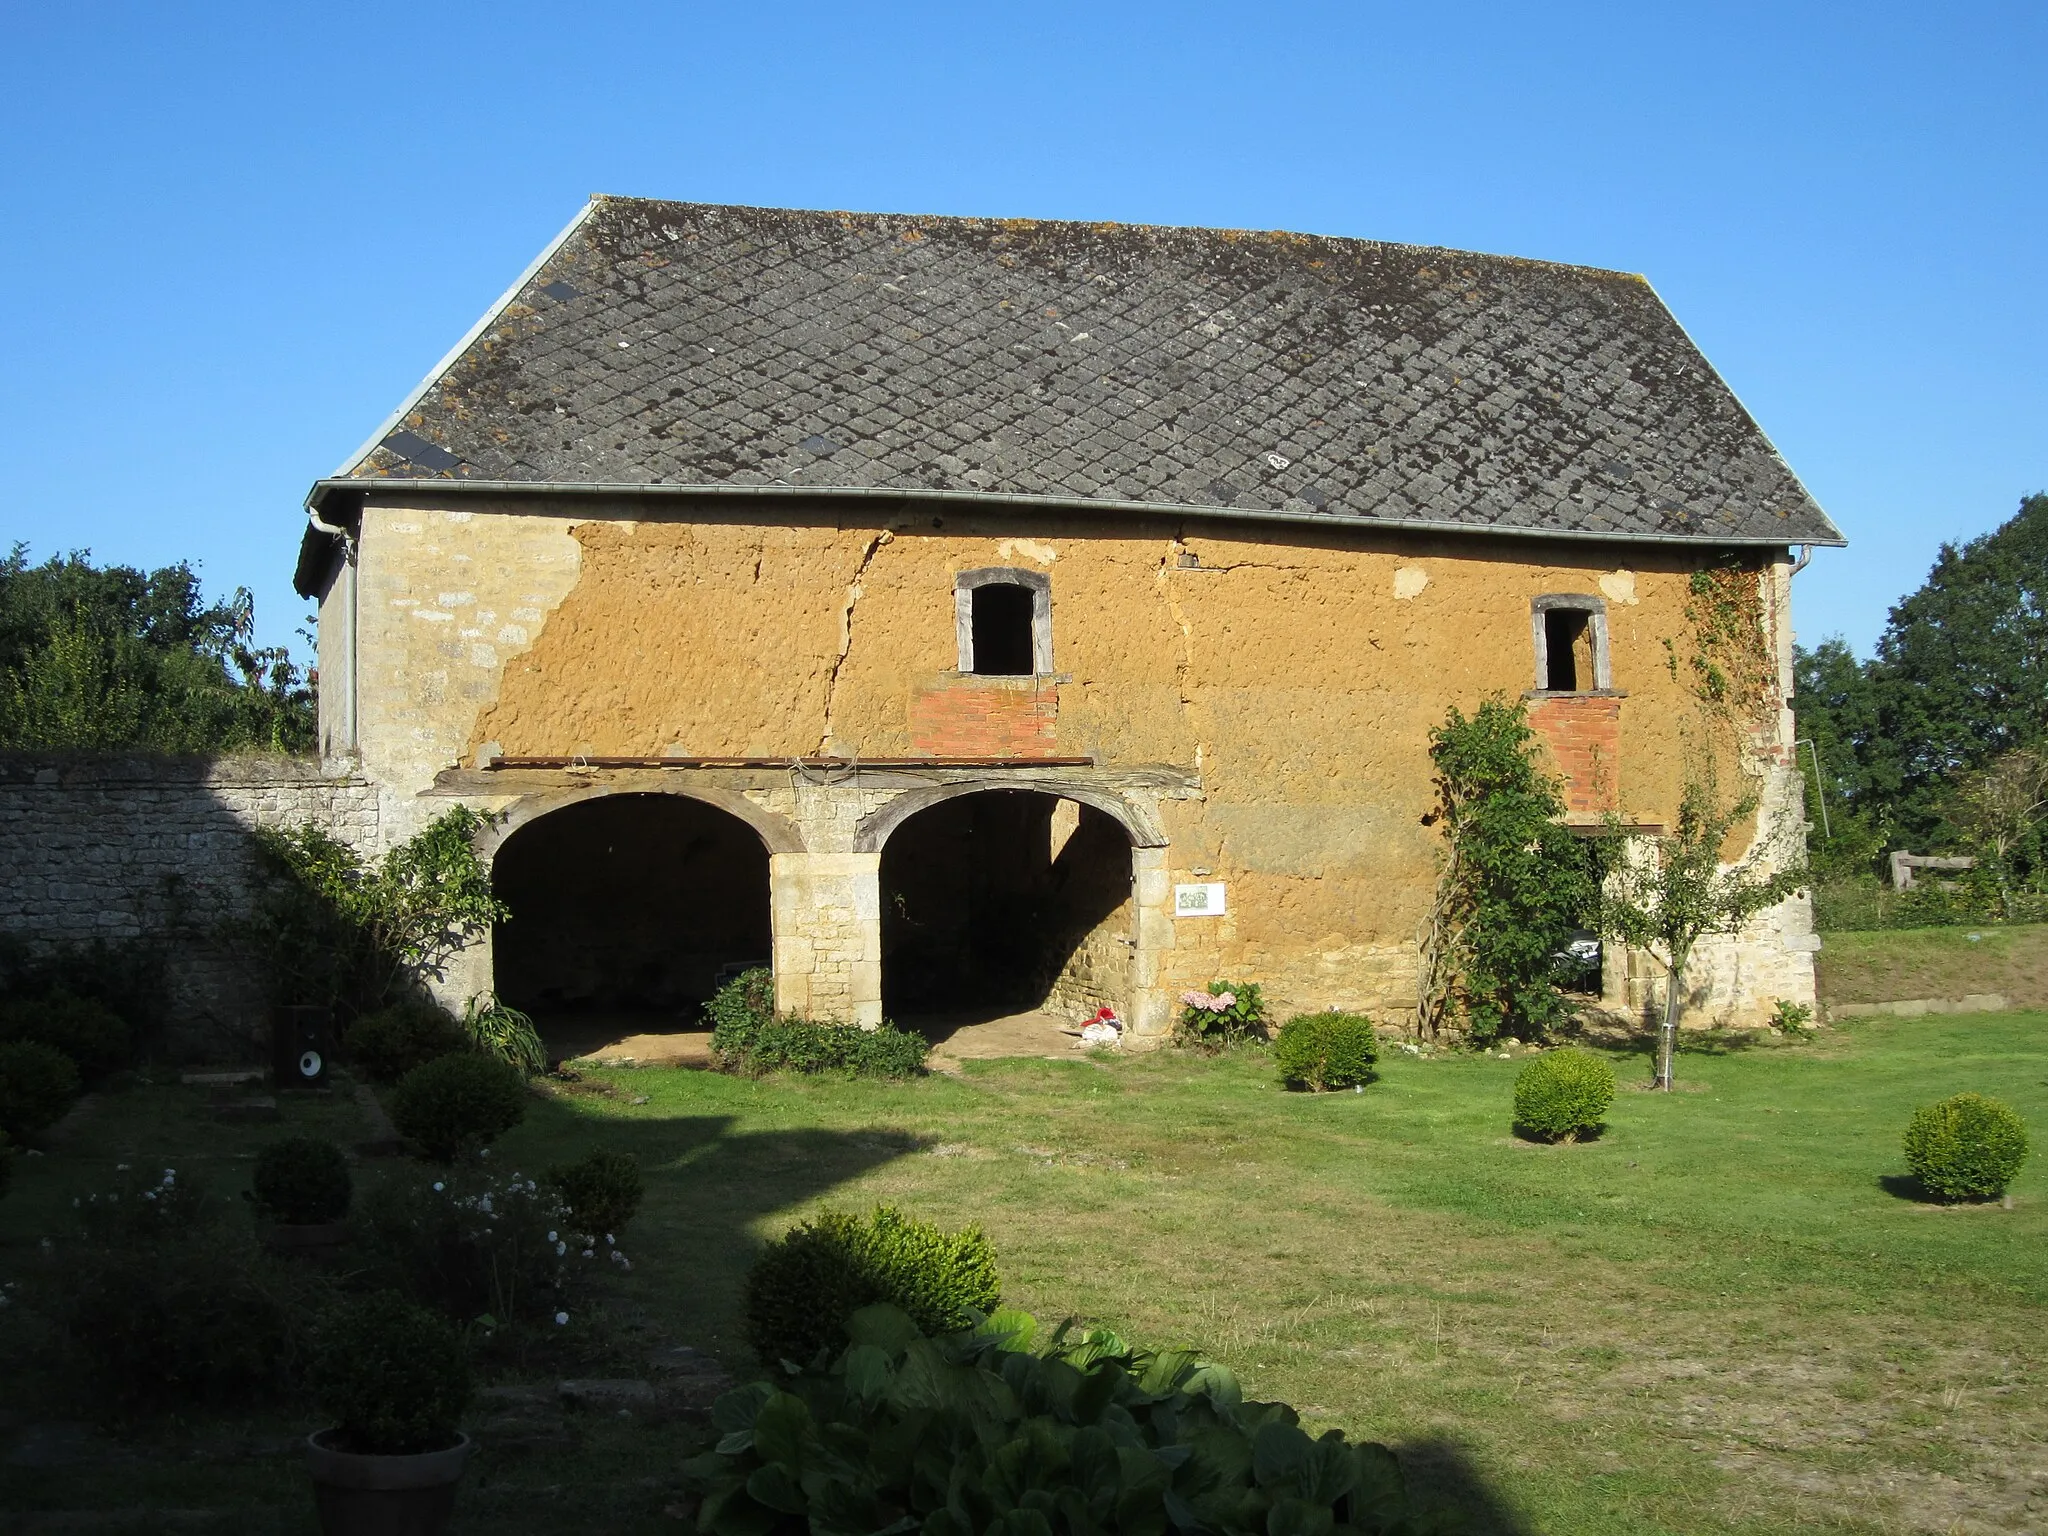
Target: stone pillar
{"points": [[1152, 895], [827, 915]]}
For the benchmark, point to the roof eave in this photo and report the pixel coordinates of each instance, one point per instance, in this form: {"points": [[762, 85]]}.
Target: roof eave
{"points": [[322, 489]]}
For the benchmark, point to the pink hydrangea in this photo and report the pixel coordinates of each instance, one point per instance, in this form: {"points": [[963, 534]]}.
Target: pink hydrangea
{"points": [[1210, 1002]]}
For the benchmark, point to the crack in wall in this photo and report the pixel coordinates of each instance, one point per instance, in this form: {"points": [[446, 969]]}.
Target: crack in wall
{"points": [[853, 597], [1184, 663]]}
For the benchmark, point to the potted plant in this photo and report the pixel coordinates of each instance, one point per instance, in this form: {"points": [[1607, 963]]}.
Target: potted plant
{"points": [[396, 1380], [301, 1192]]}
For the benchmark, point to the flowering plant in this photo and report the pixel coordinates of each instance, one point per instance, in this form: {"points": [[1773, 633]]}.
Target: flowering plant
{"points": [[142, 1209], [1229, 1013], [495, 1251]]}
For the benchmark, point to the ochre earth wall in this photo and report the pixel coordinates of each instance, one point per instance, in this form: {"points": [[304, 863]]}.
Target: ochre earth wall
{"points": [[1289, 674]]}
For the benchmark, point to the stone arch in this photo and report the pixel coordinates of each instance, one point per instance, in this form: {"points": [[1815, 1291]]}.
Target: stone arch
{"points": [[627, 907], [1140, 825], [778, 833]]}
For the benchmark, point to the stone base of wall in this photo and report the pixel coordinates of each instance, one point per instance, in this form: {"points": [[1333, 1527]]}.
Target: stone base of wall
{"points": [[156, 851]]}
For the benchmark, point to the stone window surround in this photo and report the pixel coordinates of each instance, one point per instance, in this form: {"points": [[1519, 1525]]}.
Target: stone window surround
{"points": [[1040, 586], [1580, 602]]}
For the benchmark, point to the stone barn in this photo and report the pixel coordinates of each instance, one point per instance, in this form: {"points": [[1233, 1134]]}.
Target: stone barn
{"points": [[973, 614]]}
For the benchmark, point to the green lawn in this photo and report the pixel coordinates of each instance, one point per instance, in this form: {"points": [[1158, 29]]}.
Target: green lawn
{"points": [[1716, 1318]]}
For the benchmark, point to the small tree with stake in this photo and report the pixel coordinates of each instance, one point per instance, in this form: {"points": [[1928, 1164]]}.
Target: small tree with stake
{"points": [[1664, 894]]}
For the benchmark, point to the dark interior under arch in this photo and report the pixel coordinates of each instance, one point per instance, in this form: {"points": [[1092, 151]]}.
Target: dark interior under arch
{"points": [[635, 904], [1004, 901]]}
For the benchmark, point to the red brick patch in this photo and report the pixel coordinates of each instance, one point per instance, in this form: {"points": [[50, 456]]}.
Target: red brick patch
{"points": [[1584, 738], [984, 720]]}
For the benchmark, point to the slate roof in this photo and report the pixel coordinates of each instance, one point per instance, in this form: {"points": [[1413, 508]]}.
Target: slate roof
{"points": [[684, 345]]}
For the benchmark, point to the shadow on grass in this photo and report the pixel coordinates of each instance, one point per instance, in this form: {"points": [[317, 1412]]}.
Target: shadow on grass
{"points": [[1443, 1477], [1906, 1186], [710, 1191]]}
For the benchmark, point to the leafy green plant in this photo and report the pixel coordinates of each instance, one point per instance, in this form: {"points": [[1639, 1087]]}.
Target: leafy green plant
{"points": [[141, 1211], [1000, 1431], [498, 1029], [1795, 1019], [1663, 894], [328, 930], [805, 1286], [1515, 886], [387, 1044], [393, 1376], [456, 1104], [301, 1181], [599, 1193], [1966, 1147], [90, 1033], [751, 1046], [745, 1002], [38, 1083], [1563, 1095], [165, 1325], [500, 1251], [130, 979], [1229, 1013], [1323, 1051]]}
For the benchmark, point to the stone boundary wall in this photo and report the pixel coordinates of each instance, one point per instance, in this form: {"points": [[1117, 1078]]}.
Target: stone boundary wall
{"points": [[157, 848]]}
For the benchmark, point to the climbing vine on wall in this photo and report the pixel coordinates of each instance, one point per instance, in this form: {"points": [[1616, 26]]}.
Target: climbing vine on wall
{"points": [[1732, 670], [1515, 886]]}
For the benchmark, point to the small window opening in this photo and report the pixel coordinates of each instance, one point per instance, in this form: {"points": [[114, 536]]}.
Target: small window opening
{"points": [[1568, 647], [1002, 630]]}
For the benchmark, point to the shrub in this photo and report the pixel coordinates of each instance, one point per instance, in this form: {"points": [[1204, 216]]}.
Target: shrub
{"points": [[803, 1289], [600, 1193], [1966, 1147], [301, 1181], [1563, 1095], [1321, 1051], [6, 1164], [89, 1032], [498, 1029], [745, 1002], [142, 1212], [38, 1083], [1229, 1013], [392, 1376], [457, 1104], [802, 1045], [478, 1249], [998, 1431], [157, 1326], [129, 979], [391, 1042]]}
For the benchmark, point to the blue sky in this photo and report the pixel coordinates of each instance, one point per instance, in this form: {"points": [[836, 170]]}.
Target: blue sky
{"points": [[235, 236]]}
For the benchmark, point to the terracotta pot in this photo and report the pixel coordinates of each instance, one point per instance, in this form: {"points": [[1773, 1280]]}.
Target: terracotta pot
{"points": [[313, 1239], [384, 1495]]}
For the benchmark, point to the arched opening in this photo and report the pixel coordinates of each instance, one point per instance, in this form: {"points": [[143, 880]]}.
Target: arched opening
{"points": [[628, 911], [1005, 902]]}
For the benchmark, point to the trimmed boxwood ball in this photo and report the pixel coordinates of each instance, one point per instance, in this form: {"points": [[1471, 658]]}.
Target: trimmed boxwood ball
{"points": [[301, 1181], [1966, 1147], [38, 1083], [1323, 1051], [805, 1287], [1563, 1095], [391, 1374], [89, 1032], [389, 1043], [601, 1192], [457, 1104]]}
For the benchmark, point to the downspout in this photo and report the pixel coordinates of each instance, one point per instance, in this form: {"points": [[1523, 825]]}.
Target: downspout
{"points": [[348, 539]]}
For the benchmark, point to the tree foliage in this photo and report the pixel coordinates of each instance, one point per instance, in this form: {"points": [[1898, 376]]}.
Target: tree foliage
{"points": [[1960, 677], [330, 930], [1516, 883], [107, 658], [1664, 893]]}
